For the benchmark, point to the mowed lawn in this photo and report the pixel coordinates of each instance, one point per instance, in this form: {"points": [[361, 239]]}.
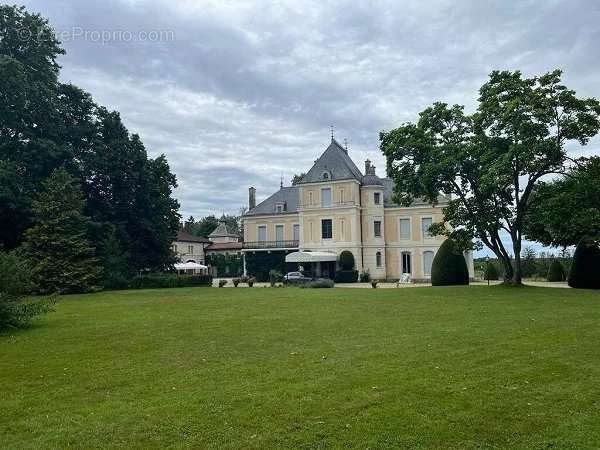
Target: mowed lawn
{"points": [[464, 367]]}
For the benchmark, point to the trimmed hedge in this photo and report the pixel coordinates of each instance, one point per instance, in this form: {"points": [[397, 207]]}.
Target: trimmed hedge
{"points": [[169, 280], [490, 272], [346, 276], [556, 271], [449, 266], [319, 284], [585, 269], [346, 260]]}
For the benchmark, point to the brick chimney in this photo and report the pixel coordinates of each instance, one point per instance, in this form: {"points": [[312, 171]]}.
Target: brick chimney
{"points": [[367, 166], [251, 198]]}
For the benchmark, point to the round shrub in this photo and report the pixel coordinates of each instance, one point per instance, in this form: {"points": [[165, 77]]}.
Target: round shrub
{"points": [[585, 269], [490, 272], [346, 260], [556, 271], [449, 266]]}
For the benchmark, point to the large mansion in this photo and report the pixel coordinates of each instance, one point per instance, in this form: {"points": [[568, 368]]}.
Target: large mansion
{"points": [[336, 207]]}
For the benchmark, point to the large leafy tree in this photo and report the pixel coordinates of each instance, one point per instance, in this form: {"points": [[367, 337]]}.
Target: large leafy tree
{"points": [[45, 125], [28, 117], [488, 163], [563, 211], [63, 258]]}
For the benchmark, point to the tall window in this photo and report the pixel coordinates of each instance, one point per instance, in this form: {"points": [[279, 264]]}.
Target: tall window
{"points": [[190, 249], [175, 247], [378, 261], [427, 261], [377, 198], [326, 229], [342, 230], [296, 230], [262, 233], [405, 229], [279, 233], [377, 228], [342, 199], [310, 198], [425, 224], [326, 197]]}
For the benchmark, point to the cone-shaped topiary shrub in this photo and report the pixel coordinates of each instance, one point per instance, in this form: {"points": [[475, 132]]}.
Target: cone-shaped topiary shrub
{"points": [[449, 266], [556, 271], [346, 260], [585, 269], [490, 272]]}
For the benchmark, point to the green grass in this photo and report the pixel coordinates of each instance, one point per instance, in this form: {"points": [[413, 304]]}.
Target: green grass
{"points": [[465, 367]]}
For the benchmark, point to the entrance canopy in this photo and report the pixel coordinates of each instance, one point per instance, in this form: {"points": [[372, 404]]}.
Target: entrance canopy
{"points": [[308, 257], [189, 266]]}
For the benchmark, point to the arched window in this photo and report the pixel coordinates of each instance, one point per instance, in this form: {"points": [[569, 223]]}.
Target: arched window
{"points": [[427, 261], [378, 262], [325, 176]]}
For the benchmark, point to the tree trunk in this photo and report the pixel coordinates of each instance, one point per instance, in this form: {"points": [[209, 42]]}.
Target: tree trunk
{"points": [[517, 274], [508, 270]]}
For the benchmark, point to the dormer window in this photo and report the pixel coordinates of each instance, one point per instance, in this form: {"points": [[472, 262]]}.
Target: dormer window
{"points": [[279, 207], [326, 176]]}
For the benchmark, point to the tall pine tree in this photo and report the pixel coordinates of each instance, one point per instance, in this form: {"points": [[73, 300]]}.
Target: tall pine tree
{"points": [[62, 256]]}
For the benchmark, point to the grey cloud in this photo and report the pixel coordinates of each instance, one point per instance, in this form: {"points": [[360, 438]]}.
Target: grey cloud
{"points": [[245, 92]]}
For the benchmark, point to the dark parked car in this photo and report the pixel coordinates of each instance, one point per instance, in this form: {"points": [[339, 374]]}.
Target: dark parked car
{"points": [[296, 277]]}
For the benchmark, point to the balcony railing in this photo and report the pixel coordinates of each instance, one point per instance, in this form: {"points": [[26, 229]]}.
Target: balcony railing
{"points": [[271, 244], [331, 205]]}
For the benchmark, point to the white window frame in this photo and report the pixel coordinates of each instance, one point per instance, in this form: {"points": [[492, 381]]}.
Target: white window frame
{"points": [[258, 228], [423, 232], [321, 219], [380, 228], [282, 232], [380, 253], [412, 263], [294, 226], [324, 188], [400, 219], [376, 195], [427, 250]]}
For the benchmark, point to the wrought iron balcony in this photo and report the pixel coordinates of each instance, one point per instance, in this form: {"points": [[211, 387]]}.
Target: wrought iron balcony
{"points": [[331, 205], [271, 244]]}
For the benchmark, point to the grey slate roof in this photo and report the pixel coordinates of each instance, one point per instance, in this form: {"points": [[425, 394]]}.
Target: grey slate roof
{"points": [[222, 231], [289, 197], [388, 192], [184, 236], [372, 180], [336, 162]]}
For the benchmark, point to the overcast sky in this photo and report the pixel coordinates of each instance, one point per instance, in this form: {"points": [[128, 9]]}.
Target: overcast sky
{"points": [[242, 94]]}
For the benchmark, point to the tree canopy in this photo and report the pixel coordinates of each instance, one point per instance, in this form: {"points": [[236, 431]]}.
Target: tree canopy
{"points": [[46, 125], [488, 163], [565, 210]]}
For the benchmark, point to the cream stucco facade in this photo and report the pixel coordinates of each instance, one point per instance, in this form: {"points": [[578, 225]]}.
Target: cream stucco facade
{"points": [[336, 208]]}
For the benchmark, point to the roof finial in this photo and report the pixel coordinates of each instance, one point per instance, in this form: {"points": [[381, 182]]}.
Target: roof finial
{"points": [[346, 145], [281, 182], [331, 133]]}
